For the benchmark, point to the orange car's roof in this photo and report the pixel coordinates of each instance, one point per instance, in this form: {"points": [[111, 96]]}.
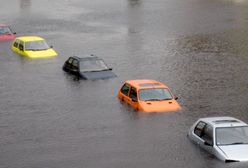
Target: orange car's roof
{"points": [[146, 83]]}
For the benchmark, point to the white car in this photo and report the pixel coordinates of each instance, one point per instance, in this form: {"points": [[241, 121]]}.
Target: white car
{"points": [[224, 137]]}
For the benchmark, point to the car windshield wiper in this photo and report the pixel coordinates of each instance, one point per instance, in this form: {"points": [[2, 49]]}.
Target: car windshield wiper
{"points": [[237, 143], [158, 99], [153, 100], [108, 69], [166, 99], [96, 70], [92, 71], [37, 49]]}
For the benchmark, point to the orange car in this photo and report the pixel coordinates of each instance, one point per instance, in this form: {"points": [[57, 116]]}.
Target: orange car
{"points": [[148, 96]]}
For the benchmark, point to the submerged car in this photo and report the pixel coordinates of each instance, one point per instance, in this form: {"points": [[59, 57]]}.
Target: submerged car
{"points": [[32, 47], [6, 33], [224, 137], [148, 96], [88, 67]]}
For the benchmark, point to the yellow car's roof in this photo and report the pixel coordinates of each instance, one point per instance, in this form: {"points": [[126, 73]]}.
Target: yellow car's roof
{"points": [[29, 38]]}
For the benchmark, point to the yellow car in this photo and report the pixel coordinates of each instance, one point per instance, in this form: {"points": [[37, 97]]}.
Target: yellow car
{"points": [[32, 47]]}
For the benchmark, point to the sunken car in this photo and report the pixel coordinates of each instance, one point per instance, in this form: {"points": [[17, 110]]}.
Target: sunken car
{"points": [[148, 96], [224, 137], [6, 33], [89, 67], [32, 47]]}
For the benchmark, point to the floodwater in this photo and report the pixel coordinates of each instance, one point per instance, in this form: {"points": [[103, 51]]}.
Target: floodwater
{"points": [[50, 119]]}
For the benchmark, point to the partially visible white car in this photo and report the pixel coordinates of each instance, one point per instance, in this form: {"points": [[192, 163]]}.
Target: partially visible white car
{"points": [[224, 137]]}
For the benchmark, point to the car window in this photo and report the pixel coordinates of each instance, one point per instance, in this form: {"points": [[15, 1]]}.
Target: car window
{"points": [[75, 63], [199, 128], [5, 30], [36, 45], [133, 93], [207, 134], [93, 65], [21, 44], [70, 60], [125, 89], [155, 94], [231, 135], [16, 43]]}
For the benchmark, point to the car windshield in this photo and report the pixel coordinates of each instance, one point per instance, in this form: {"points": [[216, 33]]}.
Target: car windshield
{"points": [[93, 65], [5, 30], [36, 45], [155, 94], [232, 135]]}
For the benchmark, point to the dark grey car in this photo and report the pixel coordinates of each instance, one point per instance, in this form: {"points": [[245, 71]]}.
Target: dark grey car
{"points": [[90, 67]]}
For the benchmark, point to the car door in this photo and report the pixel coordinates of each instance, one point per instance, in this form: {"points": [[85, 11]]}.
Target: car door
{"points": [[21, 48], [207, 137], [15, 46], [75, 67], [68, 64], [203, 136], [197, 132], [124, 92], [132, 98]]}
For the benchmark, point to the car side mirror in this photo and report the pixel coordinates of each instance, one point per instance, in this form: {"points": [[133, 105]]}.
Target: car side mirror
{"points": [[176, 98], [110, 69], [207, 143], [14, 33], [51, 46]]}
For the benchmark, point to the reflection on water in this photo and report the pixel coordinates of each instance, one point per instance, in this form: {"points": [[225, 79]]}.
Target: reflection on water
{"points": [[232, 41], [203, 44], [210, 72], [25, 5], [134, 2], [134, 39], [135, 15]]}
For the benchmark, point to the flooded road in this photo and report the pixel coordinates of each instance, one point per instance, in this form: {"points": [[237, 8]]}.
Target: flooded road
{"points": [[49, 119]]}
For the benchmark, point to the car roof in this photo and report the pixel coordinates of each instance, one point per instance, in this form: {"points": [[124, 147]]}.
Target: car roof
{"points": [[30, 38], [87, 57], [145, 83], [223, 121]]}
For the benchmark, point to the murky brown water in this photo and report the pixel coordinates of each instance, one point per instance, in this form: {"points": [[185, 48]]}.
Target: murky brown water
{"points": [[49, 119]]}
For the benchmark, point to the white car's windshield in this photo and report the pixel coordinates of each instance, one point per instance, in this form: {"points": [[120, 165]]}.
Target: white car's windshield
{"points": [[5, 30], [155, 94], [36, 45], [93, 65], [232, 135]]}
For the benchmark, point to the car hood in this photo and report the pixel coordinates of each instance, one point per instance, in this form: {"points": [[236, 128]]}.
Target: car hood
{"points": [[97, 75], [235, 152], [7, 36], [41, 53], [160, 106]]}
